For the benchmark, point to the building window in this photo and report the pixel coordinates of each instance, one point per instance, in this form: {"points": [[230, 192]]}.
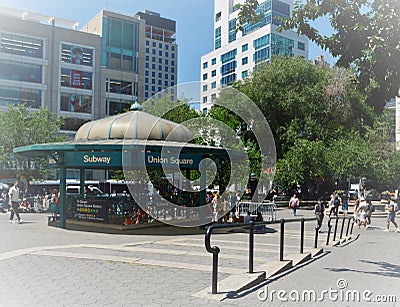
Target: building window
{"points": [[172, 77], [229, 56], [147, 50], [244, 74], [153, 81], [160, 61], [117, 106], [218, 43], [147, 58], [205, 77], [166, 62], [166, 76], [261, 42], [14, 95], [245, 47], [228, 68], [213, 73], [147, 73], [214, 85], [160, 45], [147, 43], [76, 103], [76, 79], [213, 97], [154, 44], [17, 71], [245, 61], [261, 55], [147, 65], [153, 59], [166, 54], [159, 75], [165, 83], [146, 80], [21, 45], [213, 61], [172, 69], [76, 55], [159, 53], [301, 46], [205, 99], [166, 68], [153, 51], [217, 37], [153, 74], [166, 46], [205, 88], [228, 80], [159, 82], [146, 87], [153, 66], [172, 48], [159, 67], [218, 17], [205, 65], [232, 30]]}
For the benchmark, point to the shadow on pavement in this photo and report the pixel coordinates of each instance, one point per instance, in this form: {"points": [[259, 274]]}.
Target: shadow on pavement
{"points": [[385, 269]]}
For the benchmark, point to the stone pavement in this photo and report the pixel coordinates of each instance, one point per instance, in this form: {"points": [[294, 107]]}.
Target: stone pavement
{"points": [[46, 266]]}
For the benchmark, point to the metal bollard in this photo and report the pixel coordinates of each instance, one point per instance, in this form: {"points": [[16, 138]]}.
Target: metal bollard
{"points": [[316, 237], [215, 270], [302, 236], [348, 227], [282, 239], [334, 235], [351, 229], [341, 231], [251, 247], [329, 232]]}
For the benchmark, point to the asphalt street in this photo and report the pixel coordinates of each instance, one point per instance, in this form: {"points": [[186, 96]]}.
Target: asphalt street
{"points": [[48, 266]]}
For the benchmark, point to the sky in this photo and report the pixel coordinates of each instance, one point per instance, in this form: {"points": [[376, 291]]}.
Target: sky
{"points": [[194, 23]]}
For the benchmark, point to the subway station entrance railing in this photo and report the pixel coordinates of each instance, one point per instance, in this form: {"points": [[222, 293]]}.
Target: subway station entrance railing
{"points": [[215, 250]]}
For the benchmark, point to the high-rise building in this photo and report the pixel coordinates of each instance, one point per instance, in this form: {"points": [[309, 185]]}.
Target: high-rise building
{"points": [[85, 74], [237, 53], [161, 54]]}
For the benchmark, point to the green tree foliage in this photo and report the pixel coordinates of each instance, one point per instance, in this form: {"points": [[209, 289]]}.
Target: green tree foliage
{"points": [[177, 111], [21, 127], [300, 100], [247, 14], [366, 37]]}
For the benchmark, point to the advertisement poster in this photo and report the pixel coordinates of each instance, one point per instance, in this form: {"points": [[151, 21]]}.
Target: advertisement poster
{"points": [[76, 79], [92, 210]]}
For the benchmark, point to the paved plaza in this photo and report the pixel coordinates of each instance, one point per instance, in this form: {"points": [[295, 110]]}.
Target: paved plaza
{"points": [[48, 266]]}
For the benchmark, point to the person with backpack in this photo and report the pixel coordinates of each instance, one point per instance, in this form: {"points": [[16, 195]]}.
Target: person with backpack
{"points": [[319, 211], [392, 207]]}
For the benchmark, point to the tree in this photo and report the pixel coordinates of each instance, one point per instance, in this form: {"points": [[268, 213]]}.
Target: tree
{"points": [[366, 37], [300, 100], [177, 110], [247, 14], [21, 127]]}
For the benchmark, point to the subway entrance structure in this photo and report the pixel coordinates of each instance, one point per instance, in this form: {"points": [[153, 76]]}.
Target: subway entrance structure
{"points": [[135, 142]]}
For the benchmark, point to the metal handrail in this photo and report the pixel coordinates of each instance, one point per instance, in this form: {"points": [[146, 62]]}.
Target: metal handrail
{"points": [[215, 249], [337, 218]]}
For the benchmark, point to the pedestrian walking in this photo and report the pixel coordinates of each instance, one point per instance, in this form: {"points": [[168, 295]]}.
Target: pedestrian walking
{"points": [[294, 204], [392, 207], [356, 215], [335, 205], [345, 202], [13, 194], [319, 212], [362, 210]]}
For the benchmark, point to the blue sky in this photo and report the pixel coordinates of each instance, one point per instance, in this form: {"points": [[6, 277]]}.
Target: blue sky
{"points": [[194, 23]]}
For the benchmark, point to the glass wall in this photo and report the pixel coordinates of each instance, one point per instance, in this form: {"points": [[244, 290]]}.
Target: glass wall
{"points": [[76, 55], [17, 71], [116, 106], [14, 95], [21, 45], [76, 103], [120, 44], [76, 79], [121, 87]]}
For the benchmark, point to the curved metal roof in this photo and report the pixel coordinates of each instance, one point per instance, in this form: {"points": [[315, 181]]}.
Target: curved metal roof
{"points": [[133, 125]]}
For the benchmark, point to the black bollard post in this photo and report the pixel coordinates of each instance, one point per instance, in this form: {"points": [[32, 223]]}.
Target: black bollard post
{"points": [[329, 231], [348, 227], [282, 239], [302, 236], [341, 230], [334, 235], [316, 238], [251, 247], [215, 270]]}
